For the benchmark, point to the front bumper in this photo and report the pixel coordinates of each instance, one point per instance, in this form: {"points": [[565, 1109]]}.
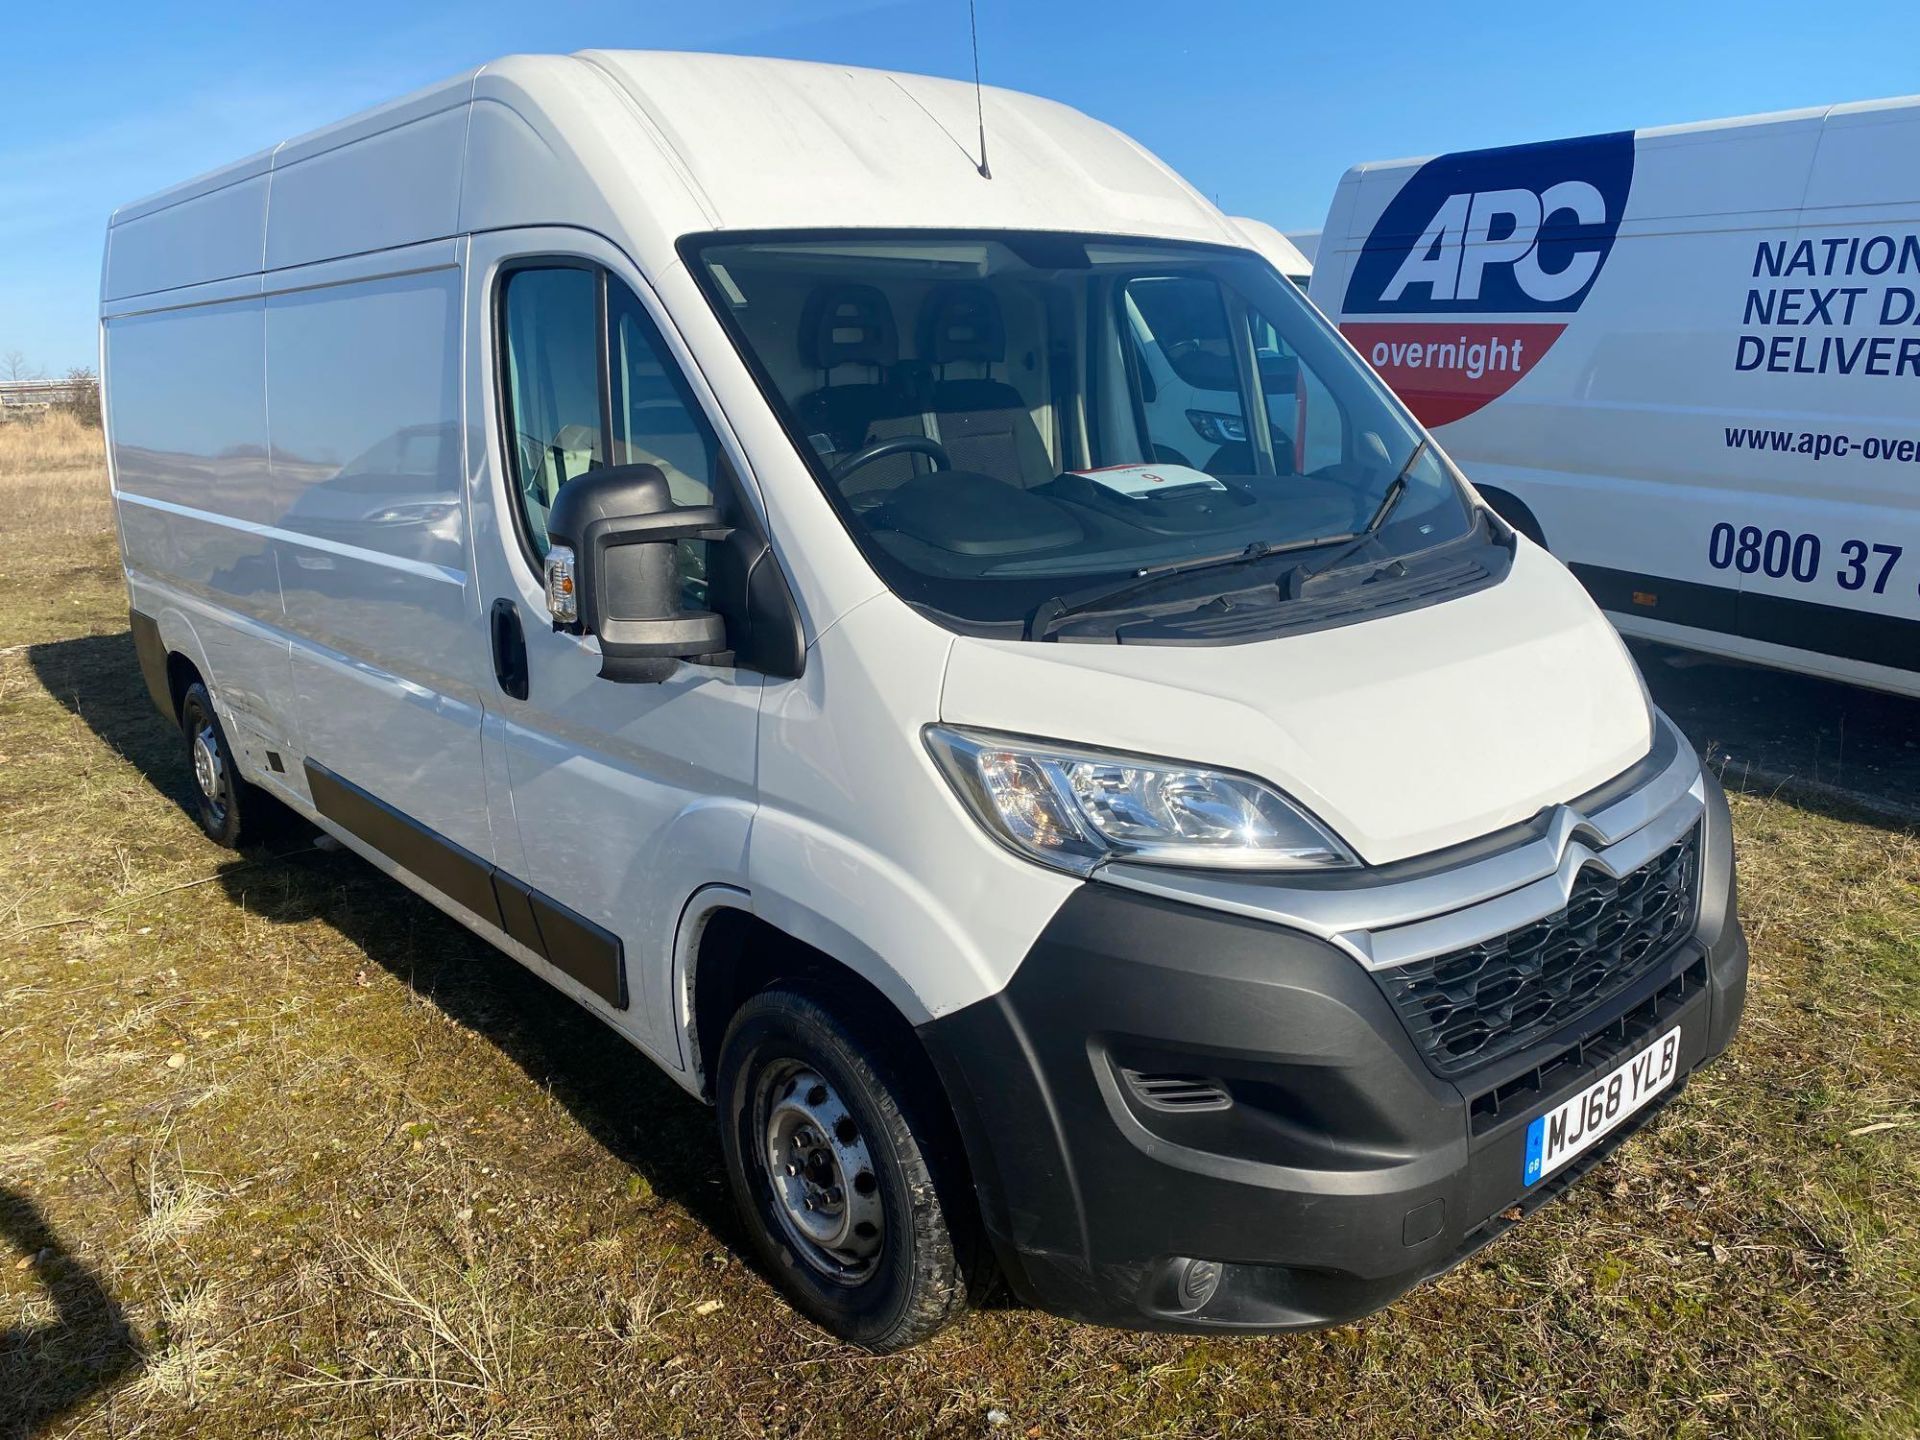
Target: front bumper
{"points": [[1318, 1167]]}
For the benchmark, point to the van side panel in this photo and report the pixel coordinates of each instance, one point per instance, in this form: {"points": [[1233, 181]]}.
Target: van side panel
{"points": [[860, 847], [367, 452], [1719, 435], [392, 188], [1615, 418], [209, 229], [188, 427], [1861, 605]]}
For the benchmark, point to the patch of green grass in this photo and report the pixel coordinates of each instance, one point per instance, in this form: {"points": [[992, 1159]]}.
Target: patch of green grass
{"points": [[396, 1186]]}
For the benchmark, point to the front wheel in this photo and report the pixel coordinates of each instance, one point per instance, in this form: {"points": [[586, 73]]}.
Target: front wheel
{"points": [[843, 1171]]}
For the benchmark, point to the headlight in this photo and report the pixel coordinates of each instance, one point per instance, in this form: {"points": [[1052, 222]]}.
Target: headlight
{"points": [[1074, 809], [1217, 429]]}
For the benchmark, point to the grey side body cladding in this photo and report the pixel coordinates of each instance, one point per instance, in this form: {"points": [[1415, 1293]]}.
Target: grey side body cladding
{"points": [[588, 952], [1835, 630]]}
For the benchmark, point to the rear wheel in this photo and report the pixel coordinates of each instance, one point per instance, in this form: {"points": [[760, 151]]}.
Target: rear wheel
{"points": [[231, 811], [843, 1167]]}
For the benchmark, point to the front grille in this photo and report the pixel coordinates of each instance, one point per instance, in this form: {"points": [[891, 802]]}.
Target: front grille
{"points": [[1472, 1006]]}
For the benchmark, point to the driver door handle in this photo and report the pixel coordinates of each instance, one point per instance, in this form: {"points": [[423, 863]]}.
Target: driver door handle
{"points": [[509, 648]]}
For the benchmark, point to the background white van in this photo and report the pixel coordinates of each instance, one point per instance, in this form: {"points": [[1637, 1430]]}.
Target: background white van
{"points": [[1192, 394], [1686, 359]]}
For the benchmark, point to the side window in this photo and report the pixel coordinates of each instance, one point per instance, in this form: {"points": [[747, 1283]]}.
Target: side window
{"points": [[1188, 385], [1188, 321], [1189, 396], [552, 397], [1301, 412], [581, 353], [657, 421]]}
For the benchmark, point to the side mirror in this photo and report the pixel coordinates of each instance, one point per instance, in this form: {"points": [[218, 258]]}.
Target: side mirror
{"points": [[613, 571]]}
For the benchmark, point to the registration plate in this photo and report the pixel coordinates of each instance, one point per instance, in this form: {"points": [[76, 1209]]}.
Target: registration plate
{"points": [[1564, 1131]]}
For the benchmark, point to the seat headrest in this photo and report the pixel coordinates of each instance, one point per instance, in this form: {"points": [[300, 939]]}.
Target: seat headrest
{"points": [[962, 322], [848, 325]]}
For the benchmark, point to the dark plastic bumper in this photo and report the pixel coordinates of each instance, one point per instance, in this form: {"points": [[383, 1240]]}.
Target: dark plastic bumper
{"points": [[1342, 1173]]}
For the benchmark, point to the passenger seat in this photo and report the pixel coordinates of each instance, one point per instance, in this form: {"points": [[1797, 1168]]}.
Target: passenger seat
{"points": [[845, 325], [984, 423]]}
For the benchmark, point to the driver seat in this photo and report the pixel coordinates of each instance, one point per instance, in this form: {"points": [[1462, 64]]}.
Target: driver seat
{"points": [[853, 325]]}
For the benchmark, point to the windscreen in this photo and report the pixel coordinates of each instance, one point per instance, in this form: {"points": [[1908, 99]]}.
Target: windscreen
{"points": [[1001, 418]]}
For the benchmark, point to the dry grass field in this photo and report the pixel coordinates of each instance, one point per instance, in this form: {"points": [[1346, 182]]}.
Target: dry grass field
{"points": [[53, 488], [284, 1151]]}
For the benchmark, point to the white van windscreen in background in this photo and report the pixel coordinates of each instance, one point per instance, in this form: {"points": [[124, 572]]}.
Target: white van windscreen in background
{"points": [[1071, 435]]}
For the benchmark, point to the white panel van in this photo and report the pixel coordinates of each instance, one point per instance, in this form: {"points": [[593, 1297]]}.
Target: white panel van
{"points": [[1193, 412], [749, 557], [1281, 252], [1686, 359]]}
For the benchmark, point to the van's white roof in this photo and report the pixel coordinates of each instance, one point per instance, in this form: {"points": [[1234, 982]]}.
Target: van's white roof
{"points": [[1807, 115], [648, 146], [781, 143], [1280, 251]]}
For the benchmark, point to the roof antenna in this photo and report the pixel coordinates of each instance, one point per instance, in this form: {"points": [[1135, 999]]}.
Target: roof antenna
{"points": [[979, 100]]}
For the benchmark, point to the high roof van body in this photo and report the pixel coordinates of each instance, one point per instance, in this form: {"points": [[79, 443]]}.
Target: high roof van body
{"points": [[713, 532], [1281, 252], [1686, 359]]}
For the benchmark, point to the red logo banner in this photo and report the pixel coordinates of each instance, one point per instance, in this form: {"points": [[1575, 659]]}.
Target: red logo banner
{"points": [[1447, 370]]}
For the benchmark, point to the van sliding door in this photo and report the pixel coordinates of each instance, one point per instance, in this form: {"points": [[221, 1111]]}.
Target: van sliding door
{"points": [[365, 453]]}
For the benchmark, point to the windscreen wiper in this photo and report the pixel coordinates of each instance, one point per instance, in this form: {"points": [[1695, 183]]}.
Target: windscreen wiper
{"points": [[1368, 536], [1049, 614]]}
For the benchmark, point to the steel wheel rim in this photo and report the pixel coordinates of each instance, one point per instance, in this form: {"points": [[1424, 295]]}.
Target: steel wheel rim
{"points": [[210, 770], [826, 1190]]}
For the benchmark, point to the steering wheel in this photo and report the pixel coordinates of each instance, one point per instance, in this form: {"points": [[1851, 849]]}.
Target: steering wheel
{"points": [[898, 445]]}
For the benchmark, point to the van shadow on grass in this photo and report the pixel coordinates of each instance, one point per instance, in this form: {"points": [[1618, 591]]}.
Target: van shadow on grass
{"points": [[615, 1094], [628, 1107], [97, 678], [49, 1367], [1840, 750]]}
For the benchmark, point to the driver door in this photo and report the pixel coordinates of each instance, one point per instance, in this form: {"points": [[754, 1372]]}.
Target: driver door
{"points": [[620, 799]]}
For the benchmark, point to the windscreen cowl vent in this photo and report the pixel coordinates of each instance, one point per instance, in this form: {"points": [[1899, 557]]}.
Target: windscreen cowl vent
{"points": [[1177, 1094]]}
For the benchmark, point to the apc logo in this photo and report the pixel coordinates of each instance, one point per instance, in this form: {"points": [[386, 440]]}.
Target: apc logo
{"points": [[1452, 257], [1497, 231], [1494, 233]]}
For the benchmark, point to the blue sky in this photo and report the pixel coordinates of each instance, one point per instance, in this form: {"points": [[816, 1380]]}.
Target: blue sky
{"points": [[1261, 105]]}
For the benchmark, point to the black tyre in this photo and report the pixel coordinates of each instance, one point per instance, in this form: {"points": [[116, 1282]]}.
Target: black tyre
{"points": [[231, 811], [844, 1168]]}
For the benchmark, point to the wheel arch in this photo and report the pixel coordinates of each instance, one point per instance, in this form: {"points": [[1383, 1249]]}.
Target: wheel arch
{"points": [[170, 653], [1515, 511], [182, 675], [727, 952]]}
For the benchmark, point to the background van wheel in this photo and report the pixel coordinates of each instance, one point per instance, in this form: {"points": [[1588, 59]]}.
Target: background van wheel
{"points": [[844, 1169], [231, 811]]}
